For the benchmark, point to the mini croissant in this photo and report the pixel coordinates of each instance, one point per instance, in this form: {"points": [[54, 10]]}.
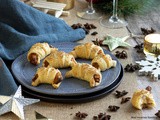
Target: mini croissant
{"points": [[103, 62], [59, 59], [86, 51], [47, 75], [85, 72], [37, 52], [142, 99]]}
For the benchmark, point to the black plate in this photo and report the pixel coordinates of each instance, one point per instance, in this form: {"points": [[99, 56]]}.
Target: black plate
{"points": [[74, 99], [24, 72]]}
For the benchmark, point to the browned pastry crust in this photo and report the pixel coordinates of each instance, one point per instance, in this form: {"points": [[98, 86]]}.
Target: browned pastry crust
{"points": [[47, 75], [142, 99], [59, 59], [103, 62], [38, 51], [85, 72], [86, 51]]}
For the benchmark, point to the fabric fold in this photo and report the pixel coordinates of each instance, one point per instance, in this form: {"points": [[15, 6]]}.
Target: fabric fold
{"points": [[21, 26], [7, 83]]}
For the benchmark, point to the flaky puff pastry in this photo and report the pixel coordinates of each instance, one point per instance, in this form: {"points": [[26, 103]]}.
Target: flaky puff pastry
{"points": [[86, 51], [59, 59], [142, 99], [103, 62], [38, 51], [85, 72], [47, 75]]}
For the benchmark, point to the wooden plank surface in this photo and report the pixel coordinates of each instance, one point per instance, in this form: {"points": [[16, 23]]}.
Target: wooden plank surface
{"points": [[130, 82], [135, 23]]}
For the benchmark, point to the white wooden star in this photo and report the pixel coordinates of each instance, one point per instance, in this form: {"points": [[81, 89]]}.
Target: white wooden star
{"points": [[15, 103]]}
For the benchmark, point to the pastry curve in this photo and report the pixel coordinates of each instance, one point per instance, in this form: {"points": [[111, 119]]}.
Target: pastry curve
{"points": [[37, 52], [47, 75], [85, 72], [103, 62], [86, 51], [142, 99], [59, 59]]}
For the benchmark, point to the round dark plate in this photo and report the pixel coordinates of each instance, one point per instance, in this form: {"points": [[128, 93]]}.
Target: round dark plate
{"points": [[24, 72], [74, 99]]}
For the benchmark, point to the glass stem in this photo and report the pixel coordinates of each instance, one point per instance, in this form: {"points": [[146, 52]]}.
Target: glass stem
{"points": [[115, 5], [114, 17], [90, 7]]}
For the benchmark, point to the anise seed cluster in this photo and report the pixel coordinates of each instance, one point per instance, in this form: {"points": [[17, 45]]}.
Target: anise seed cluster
{"points": [[146, 31], [87, 27], [119, 94], [131, 68], [102, 116], [122, 54]]}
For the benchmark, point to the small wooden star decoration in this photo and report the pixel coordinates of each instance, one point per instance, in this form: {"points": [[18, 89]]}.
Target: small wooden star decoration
{"points": [[114, 42], [15, 103]]}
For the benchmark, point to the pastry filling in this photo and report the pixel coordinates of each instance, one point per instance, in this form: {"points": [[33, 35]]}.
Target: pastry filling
{"points": [[46, 63], [96, 77], [95, 65], [58, 78], [33, 58], [35, 77], [146, 103]]}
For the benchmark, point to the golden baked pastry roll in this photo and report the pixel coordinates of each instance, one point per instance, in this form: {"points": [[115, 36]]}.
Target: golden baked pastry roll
{"points": [[59, 59], [103, 62], [38, 51], [47, 75], [86, 51], [142, 99], [85, 72]]}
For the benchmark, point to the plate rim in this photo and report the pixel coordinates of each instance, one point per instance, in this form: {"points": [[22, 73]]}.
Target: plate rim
{"points": [[73, 94], [82, 99]]}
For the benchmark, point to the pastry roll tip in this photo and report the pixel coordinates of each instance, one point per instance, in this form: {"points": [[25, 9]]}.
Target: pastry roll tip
{"points": [[37, 52], [47, 75]]}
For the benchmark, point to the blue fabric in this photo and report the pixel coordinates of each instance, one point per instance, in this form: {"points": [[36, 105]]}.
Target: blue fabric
{"points": [[7, 83], [21, 26]]}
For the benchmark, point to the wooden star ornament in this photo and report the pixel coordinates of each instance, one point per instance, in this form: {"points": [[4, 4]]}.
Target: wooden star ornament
{"points": [[114, 42], [15, 103]]}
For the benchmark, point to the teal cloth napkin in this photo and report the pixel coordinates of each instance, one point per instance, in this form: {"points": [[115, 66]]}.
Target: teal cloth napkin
{"points": [[21, 26]]}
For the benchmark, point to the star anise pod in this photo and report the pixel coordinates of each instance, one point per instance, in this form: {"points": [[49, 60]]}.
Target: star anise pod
{"points": [[124, 100], [139, 48], [158, 114], [146, 31], [81, 115], [98, 42], [119, 94], [89, 26], [113, 108], [122, 54], [131, 67], [102, 116], [94, 33], [76, 26], [149, 88]]}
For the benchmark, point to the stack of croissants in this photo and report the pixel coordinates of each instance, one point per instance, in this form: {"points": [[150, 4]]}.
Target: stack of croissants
{"points": [[53, 59]]}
